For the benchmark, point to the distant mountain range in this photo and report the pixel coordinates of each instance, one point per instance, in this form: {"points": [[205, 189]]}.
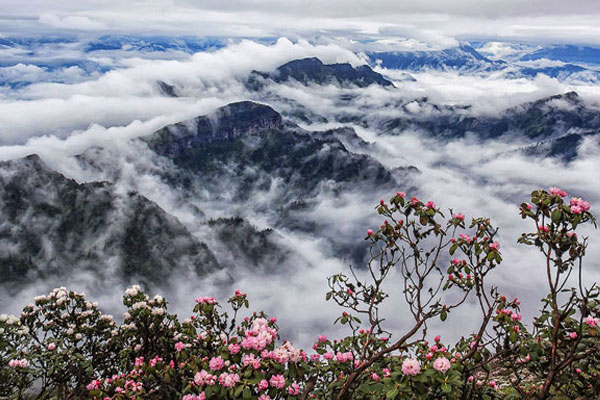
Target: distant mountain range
{"points": [[244, 151], [466, 59], [312, 70], [26, 60], [548, 127]]}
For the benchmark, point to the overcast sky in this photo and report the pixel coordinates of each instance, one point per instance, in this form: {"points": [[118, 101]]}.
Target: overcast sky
{"points": [[434, 21]]}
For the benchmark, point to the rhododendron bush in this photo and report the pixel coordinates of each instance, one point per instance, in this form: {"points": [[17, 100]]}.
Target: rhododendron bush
{"points": [[62, 346]]}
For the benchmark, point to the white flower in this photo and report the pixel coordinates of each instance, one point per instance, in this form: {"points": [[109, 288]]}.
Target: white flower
{"points": [[139, 305], [78, 336], [158, 311], [133, 291]]}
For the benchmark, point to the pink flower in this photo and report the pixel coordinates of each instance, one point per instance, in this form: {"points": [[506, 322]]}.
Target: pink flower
{"points": [[262, 385], [206, 300], [529, 206], [322, 338], [411, 367], [401, 194], [591, 321], [554, 191], [264, 397], [234, 348], [578, 205], [22, 363], [228, 380], [204, 378], [95, 384], [277, 381], [495, 246], [51, 346], [369, 232], [180, 346], [328, 356], [216, 363], [441, 364], [573, 335], [294, 389], [201, 396], [414, 201], [430, 204], [458, 216], [465, 237], [343, 357]]}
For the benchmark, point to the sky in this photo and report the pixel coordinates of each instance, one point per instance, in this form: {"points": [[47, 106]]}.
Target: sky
{"points": [[437, 21]]}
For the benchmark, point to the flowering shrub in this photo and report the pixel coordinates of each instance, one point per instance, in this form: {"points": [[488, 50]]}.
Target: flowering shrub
{"points": [[62, 346]]}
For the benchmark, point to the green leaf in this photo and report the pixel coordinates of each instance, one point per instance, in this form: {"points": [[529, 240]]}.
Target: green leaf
{"points": [[453, 248], [392, 393], [238, 391], [443, 315], [556, 215], [446, 388]]}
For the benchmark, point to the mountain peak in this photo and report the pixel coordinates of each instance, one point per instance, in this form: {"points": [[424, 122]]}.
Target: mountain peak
{"points": [[224, 124], [312, 70]]}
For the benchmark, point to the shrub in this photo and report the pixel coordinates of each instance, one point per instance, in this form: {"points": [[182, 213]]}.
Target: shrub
{"points": [[62, 346]]}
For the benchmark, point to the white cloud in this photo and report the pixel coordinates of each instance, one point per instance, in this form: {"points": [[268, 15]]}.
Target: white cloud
{"points": [[76, 22], [60, 120]]}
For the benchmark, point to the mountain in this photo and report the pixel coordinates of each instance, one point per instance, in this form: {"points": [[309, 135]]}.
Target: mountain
{"points": [[565, 53], [565, 72], [463, 58], [186, 44], [54, 227], [312, 70], [226, 124], [249, 146], [245, 156], [552, 126]]}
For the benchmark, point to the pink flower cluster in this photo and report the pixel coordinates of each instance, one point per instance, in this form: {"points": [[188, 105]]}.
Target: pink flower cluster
{"points": [[411, 367], [216, 363], [228, 380], [204, 378], [206, 300], [343, 357], [259, 336], [277, 381], [22, 363], [458, 216], [591, 321], [466, 237], [95, 384], [201, 396], [578, 205], [554, 191], [441, 364]]}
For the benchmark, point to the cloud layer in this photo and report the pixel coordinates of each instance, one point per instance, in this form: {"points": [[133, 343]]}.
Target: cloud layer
{"points": [[59, 120]]}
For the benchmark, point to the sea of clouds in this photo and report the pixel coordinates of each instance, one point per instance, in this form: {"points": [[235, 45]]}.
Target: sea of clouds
{"points": [[58, 120]]}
